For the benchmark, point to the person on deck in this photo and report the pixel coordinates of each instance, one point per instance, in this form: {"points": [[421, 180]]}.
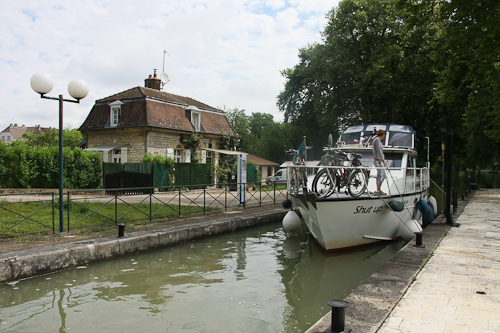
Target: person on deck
{"points": [[378, 159]]}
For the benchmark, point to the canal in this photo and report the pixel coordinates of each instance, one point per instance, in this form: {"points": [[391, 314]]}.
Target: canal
{"points": [[254, 280]]}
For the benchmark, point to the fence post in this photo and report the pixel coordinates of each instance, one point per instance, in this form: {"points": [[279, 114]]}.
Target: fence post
{"points": [[150, 205], [179, 202], [53, 215], [274, 192], [260, 194], [116, 207], [204, 199], [68, 210], [225, 197]]}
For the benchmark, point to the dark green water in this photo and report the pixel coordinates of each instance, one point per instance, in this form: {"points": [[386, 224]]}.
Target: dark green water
{"points": [[255, 280]]}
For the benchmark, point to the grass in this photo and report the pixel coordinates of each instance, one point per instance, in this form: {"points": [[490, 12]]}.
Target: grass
{"points": [[40, 216]]}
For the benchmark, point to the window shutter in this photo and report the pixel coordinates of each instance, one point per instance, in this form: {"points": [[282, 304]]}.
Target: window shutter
{"points": [[188, 156], [170, 153]]}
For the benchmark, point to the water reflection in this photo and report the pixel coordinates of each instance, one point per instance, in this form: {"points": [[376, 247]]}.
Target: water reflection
{"points": [[253, 280]]}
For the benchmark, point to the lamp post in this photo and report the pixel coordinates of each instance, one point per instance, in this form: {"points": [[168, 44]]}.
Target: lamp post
{"points": [[42, 83]]}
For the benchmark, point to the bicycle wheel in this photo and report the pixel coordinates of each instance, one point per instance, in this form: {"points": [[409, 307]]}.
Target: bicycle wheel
{"points": [[324, 183], [356, 182], [303, 179], [294, 181]]}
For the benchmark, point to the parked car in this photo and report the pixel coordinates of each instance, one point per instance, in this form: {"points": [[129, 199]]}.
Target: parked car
{"points": [[279, 177]]}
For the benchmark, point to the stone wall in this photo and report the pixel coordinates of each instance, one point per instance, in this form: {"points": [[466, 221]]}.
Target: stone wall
{"points": [[135, 140]]}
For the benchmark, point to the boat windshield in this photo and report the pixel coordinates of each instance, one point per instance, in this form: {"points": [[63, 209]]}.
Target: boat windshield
{"points": [[397, 135]]}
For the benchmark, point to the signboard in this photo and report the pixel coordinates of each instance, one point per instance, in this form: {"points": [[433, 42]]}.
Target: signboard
{"points": [[242, 177]]}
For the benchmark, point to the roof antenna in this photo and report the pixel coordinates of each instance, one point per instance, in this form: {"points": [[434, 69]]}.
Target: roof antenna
{"points": [[164, 77]]}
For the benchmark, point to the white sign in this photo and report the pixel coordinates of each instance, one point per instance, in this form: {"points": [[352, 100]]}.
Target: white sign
{"points": [[242, 177]]}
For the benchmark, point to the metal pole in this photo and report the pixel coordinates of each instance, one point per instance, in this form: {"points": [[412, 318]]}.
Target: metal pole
{"points": [[61, 165]]}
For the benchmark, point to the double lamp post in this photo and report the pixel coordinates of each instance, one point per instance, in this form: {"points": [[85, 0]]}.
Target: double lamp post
{"points": [[42, 83]]}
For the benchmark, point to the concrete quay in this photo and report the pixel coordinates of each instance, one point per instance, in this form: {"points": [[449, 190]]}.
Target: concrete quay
{"points": [[451, 285], [36, 261]]}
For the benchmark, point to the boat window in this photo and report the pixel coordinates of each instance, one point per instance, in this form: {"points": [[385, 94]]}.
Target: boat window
{"points": [[371, 128], [399, 128], [393, 160], [367, 158], [351, 138], [400, 139], [410, 170], [352, 129]]}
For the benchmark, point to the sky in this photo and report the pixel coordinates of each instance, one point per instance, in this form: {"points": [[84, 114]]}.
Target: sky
{"points": [[224, 53]]}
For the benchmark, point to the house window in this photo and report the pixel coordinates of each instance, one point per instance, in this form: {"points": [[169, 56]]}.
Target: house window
{"points": [[117, 156], [178, 155], [115, 116], [195, 120], [194, 114], [209, 157], [115, 112]]}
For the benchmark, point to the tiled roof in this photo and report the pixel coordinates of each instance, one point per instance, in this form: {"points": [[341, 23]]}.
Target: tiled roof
{"points": [[260, 161], [150, 107], [18, 131], [141, 92]]}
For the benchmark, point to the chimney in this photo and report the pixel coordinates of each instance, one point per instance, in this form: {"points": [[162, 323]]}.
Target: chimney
{"points": [[153, 82]]}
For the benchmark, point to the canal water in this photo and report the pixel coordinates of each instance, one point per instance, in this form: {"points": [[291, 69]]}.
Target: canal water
{"points": [[254, 280]]}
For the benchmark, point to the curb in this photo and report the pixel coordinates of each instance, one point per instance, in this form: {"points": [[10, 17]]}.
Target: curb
{"points": [[28, 263]]}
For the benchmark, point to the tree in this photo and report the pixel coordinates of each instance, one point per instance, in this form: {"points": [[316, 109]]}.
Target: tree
{"points": [[50, 137], [468, 84], [425, 63], [239, 121]]}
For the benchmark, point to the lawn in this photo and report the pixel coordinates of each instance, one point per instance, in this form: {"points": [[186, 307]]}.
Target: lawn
{"points": [[43, 216]]}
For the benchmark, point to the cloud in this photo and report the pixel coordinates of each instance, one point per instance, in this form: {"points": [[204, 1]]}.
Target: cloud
{"points": [[223, 53]]}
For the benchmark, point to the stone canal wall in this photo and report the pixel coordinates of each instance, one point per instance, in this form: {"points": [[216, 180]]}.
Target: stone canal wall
{"points": [[27, 263]]}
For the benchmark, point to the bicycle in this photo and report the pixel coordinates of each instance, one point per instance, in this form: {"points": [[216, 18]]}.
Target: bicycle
{"points": [[353, 179], [298, 176]]}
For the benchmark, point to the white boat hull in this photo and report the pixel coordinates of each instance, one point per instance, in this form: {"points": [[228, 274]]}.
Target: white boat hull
{"points": [[345, 223]]}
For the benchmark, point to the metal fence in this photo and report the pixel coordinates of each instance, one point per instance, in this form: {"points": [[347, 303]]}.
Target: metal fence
{"points": [[22, 214]]}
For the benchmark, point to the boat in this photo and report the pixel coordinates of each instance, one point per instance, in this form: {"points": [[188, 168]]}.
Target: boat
{"points": [[338, 202]]}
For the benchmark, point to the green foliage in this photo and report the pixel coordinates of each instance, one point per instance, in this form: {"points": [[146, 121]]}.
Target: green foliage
{"points": [[162, 160], [24, 166], [50, 137], [424, 63], [257, 170], [191, 142]]}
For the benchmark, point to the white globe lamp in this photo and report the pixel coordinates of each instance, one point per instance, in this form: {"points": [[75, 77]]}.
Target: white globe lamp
{"points": [[42, 83], [78, 89]]}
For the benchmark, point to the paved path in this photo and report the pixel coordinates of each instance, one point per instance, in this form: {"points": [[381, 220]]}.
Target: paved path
{"points": [[459, 288]]}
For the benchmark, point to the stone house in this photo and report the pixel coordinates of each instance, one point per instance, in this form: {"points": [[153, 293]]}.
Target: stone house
{"points": [[14, 132], [125, 126]]}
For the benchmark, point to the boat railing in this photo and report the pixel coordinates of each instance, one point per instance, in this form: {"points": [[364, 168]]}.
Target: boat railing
{"points": [[398, 180]]}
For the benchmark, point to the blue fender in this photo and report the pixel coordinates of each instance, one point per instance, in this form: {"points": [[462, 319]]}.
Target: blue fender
{"points": [[427, 212], [396, 206]]}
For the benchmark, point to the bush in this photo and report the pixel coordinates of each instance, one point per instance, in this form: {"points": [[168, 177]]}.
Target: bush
{"points": [[24, 166]]}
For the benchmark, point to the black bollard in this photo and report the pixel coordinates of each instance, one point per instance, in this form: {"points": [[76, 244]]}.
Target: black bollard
{"points": [[338, 317], [121, 230], [419, 236]]}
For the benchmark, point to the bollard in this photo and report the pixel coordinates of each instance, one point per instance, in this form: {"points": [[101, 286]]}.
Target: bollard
{"points": [[418, 238], [338, 317], [121, 230]]}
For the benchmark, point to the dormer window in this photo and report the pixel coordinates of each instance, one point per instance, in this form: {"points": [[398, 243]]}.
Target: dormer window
{"points": [[115, 112], [195, 117]]}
